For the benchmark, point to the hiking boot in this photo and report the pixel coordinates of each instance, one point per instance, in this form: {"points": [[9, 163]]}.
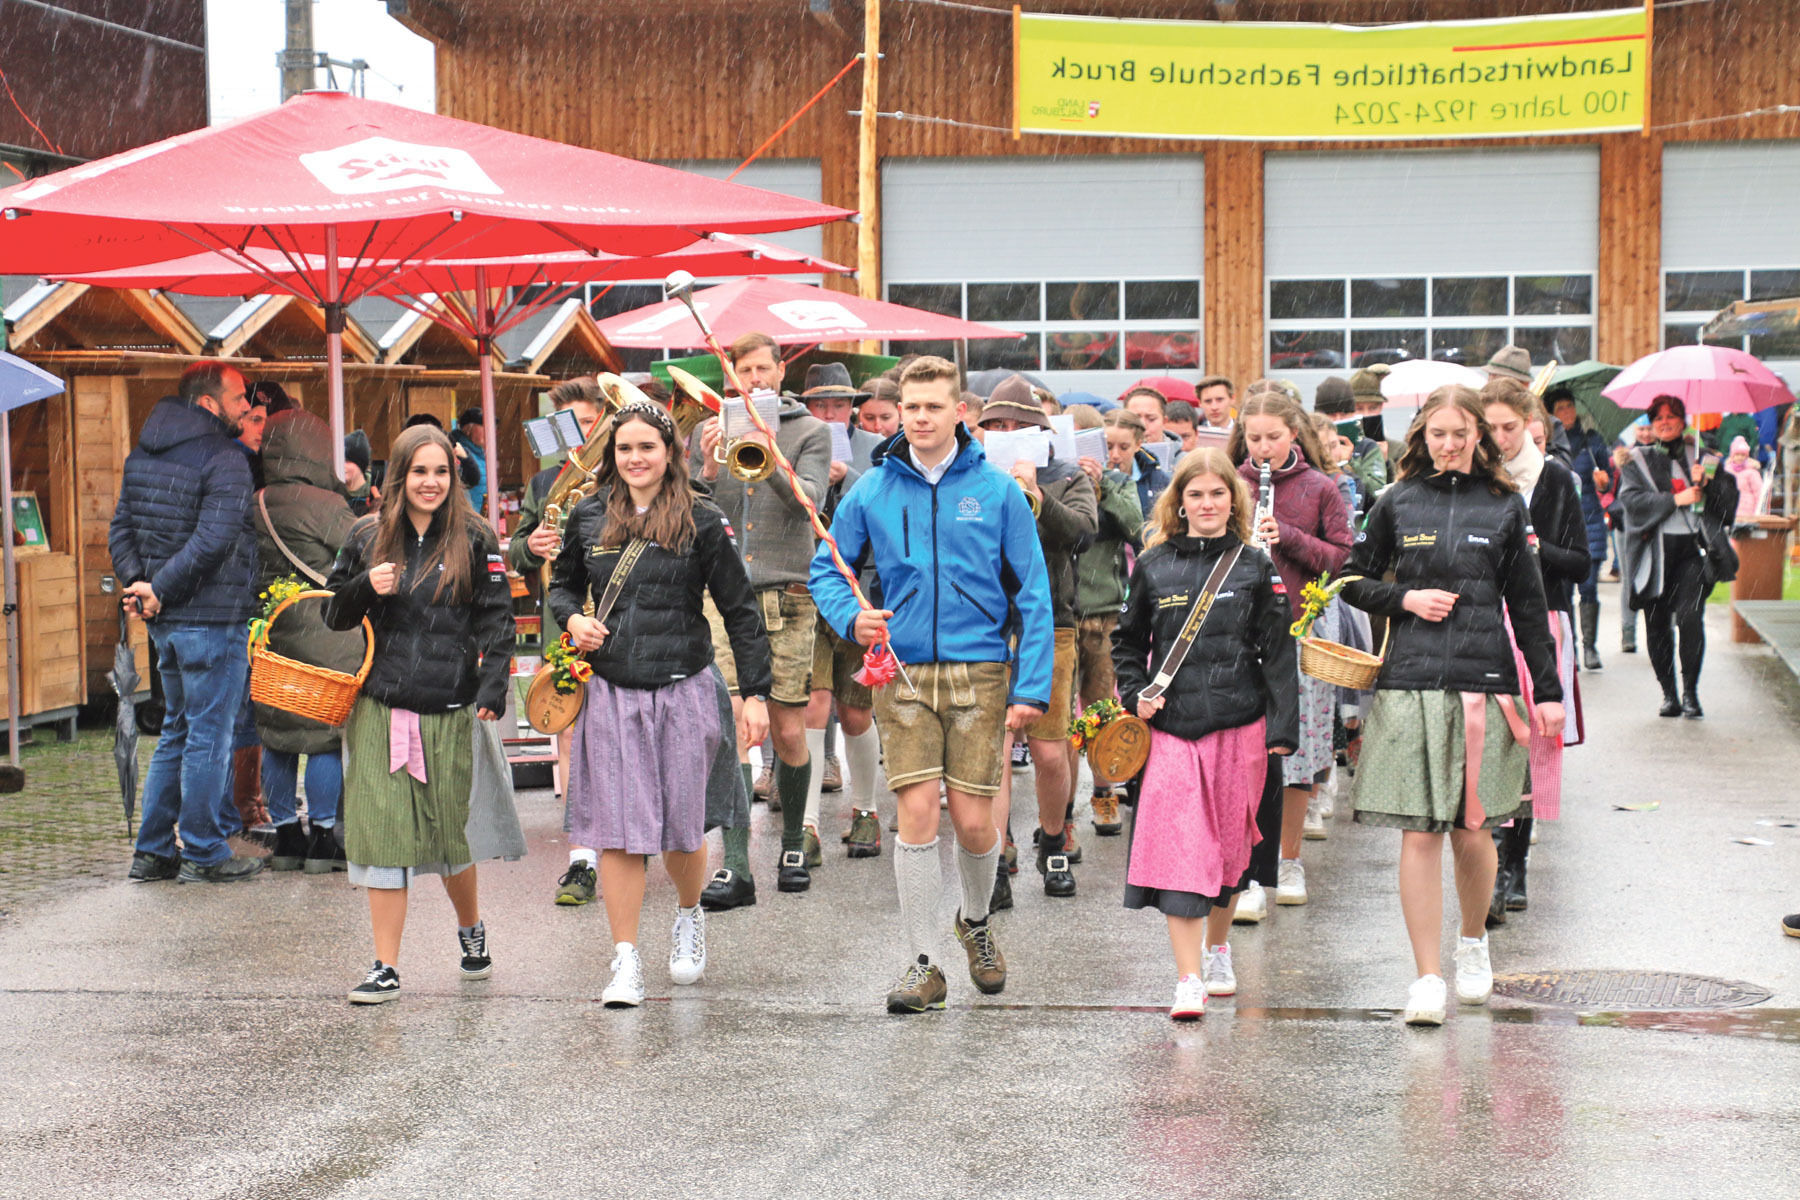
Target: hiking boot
{"points": [[920, 986], [727, 890], [475, 961], [809, 846], [1068, 835], [290, 848], [987, 966], [1053, 865], [1010, 855], [578, 884], [865, 835], [765, 783], [791, 874], [323, 853], [229, 871], [380, 985], [148, 868], [1002, 898], [833, 778], [1106, 814]]}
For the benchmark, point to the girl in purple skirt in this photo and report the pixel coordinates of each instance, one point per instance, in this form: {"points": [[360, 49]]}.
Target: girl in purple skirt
{"points": [[1233, 702], [650, 724]]}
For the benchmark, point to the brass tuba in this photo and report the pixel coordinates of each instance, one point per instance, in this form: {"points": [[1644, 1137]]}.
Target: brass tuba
{"points": [[748, 461], [691, 402]]}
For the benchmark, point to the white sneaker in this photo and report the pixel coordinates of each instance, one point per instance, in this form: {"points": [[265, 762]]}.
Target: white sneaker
{"points": [[687, 951], [1215, 969], [1290, 882], [1425, 1001], [1252, 907], [1534, 832], [1190, 999], [1326, 795], [1313, 828], [1474, 973], [627, 987]]}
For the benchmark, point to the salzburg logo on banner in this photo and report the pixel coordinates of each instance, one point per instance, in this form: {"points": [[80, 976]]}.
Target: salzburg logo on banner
{"points": [[381, 164], [816, 314], [656, 322]]}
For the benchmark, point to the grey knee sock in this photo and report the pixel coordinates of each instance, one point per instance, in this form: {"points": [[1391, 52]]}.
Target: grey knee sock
{"points": [[977, 874], [921, 881]]}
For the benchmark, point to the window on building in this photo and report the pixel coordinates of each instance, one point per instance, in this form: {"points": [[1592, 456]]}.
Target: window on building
{"points": [[1692, 298], [1069, 324], [1339, 324]]}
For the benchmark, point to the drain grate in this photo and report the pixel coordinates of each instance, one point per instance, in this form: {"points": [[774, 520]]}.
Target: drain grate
{"points": [[1628, 990]]}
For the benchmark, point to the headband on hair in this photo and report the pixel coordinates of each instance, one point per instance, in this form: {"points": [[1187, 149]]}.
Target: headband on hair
{"points": [[653, 413]]}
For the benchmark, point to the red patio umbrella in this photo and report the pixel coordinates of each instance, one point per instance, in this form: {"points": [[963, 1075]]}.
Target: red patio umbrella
{"points": [[345, 178], [791, 313]]}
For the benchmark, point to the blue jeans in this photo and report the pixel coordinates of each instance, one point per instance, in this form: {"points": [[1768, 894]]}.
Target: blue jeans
{"points": [[204, 673], [324, 786]]}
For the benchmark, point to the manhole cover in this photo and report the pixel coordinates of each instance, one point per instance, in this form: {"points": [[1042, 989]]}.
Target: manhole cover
{"points": [[1629, 990]]}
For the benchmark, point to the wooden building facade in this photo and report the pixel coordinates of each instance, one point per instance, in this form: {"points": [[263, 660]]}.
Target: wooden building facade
{"points": [[684, 80]]}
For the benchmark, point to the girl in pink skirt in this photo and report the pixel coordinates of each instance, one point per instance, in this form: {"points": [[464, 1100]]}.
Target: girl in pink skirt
{"points": [[1231, 702]]}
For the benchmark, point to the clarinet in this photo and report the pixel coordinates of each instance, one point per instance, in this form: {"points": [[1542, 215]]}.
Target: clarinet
{"points": [[1265, 503]]}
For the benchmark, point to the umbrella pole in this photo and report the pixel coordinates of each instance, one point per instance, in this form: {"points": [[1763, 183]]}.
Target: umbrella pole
{"points": [[484, 347], [334, 350], [11, 592]]}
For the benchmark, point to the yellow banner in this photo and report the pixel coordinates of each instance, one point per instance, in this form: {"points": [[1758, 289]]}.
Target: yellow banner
{"points": [[1524, 76]]}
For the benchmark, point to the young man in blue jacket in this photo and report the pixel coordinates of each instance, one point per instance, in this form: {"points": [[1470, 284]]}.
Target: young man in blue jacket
{"points": [[955, 544]]}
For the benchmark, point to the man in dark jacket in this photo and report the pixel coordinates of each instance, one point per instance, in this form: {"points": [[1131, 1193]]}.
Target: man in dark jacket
{"points": [[182, 547], [1594, 474]]}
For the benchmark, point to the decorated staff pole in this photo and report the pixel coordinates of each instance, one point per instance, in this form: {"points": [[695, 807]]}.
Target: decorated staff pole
{"points": [[880, 665]]}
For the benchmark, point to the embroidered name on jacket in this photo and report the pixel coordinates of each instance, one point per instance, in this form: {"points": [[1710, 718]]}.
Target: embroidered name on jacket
{"points": [[1417, 541], [1180, 600], [1478, 540]]}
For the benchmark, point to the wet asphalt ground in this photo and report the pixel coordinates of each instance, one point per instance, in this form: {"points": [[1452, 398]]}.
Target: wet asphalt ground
{"points": [[164, 1040]]}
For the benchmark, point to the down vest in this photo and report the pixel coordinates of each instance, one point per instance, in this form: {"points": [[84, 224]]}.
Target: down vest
{"points": [[1449, 531], [180, 518], [430, 655], [1241, 666], [658, 633]]}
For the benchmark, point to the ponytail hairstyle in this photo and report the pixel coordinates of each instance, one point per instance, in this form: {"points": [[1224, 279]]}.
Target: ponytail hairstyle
{"points": [[1274, 402], [669, 520], [1166, 517], [1485, 465], [460, 523]]}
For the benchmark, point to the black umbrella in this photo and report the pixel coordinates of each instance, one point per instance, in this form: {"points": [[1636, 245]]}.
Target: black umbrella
{"points": [[983, 383], [124, 680]]}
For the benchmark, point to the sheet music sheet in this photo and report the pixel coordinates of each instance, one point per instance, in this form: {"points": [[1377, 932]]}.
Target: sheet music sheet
{"points": [[1062, 437], [1091, 443], [1019, 445], [737, 417], [840, 441]]}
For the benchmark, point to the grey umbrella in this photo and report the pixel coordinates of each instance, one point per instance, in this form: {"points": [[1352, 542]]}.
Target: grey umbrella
{"points": [[983, 383], [124, 680]]}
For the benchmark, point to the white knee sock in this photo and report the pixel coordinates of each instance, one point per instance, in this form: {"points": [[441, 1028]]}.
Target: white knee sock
{"points": [[862, 757], [580, 855], [921, 882], [815, 749], [977, 874]]}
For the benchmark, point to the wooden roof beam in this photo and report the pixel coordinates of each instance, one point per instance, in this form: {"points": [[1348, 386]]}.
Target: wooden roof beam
{"points": [[250, 318], [160, 314], [33, 312], [357, 342]]}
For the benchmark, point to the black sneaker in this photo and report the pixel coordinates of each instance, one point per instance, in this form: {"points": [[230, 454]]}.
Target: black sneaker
{"points": [[475, 961], [1021, 756], [727, 890], [290, 848], [148, 868], [323, 853], [1053, 865], [380, 985], [792, 875], [229, 871]]}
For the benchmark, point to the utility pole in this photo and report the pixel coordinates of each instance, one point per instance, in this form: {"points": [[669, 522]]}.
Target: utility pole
{"points": [[298, 64]]}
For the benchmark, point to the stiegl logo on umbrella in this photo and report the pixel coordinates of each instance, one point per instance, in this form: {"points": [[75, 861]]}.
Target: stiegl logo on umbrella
{"points": [[380, 164], [816, 314]]}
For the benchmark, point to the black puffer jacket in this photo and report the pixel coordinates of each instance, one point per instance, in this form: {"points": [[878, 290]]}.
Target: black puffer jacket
{"points": [[180, 521], [1562, 534], [430, 656], [658, 631], [1449, 531], [1241, 666]]}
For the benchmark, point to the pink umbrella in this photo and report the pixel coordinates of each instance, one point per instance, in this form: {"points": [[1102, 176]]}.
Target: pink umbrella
{"points": [[1704, 378], [355, 180], [791, 313]]}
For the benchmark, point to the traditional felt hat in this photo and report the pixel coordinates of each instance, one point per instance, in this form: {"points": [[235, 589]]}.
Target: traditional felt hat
{"points": [[1334, 396], [1365, 387], [830, 381], [1015, 400], [1510, 362]]}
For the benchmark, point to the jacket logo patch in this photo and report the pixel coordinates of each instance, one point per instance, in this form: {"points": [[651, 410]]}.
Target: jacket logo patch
{"points": [[968, 509], [1180, 600], [1417, 541], [1224, 595], [1478, 540], [496, 565]]}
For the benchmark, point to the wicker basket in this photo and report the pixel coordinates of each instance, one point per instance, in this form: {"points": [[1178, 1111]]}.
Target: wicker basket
{"points": [[1342, 665], [301, 688]]}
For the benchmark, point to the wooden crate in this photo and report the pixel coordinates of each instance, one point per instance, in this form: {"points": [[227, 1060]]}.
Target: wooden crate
{"points": [[50, 658]]}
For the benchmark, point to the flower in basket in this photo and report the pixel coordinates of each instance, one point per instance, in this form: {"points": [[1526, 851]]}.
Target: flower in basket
{"points": [[1315, 598], [1093, 718], [273, 597], [568, 670]]}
